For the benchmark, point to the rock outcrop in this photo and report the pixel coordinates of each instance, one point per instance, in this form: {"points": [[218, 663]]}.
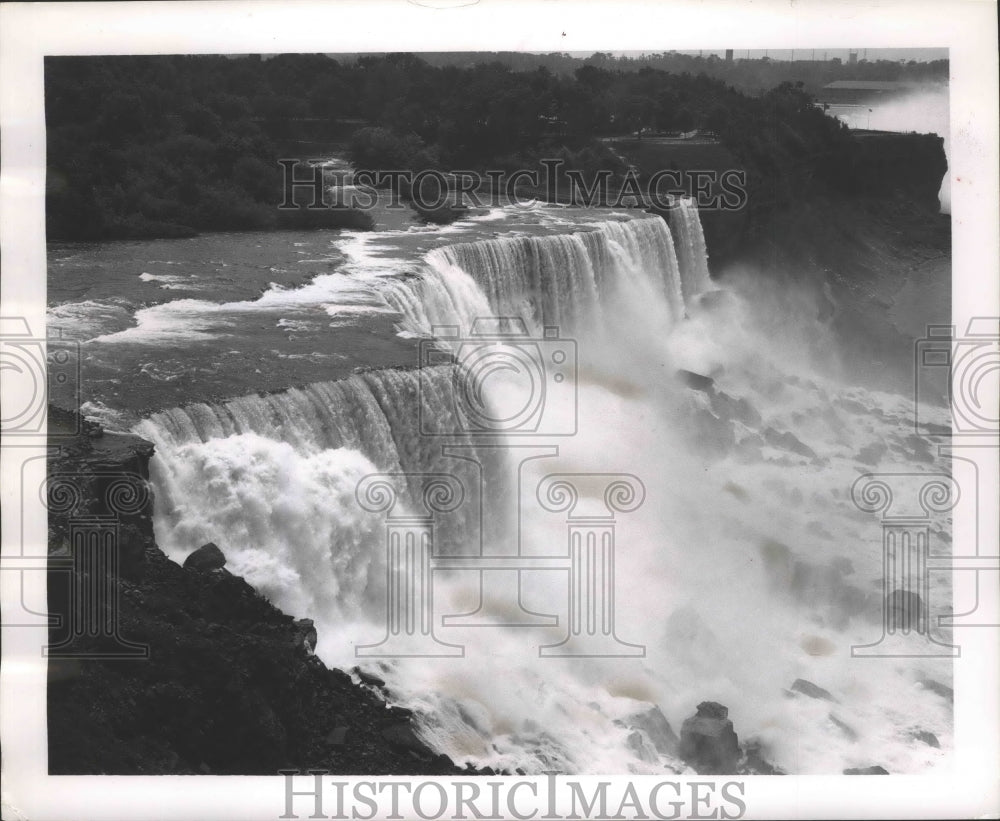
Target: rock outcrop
{"points": [[873, 770], [206, 557], [807, 688], [655, 727], [198, 673], [938, 688], [708, 742], [755, 761]]}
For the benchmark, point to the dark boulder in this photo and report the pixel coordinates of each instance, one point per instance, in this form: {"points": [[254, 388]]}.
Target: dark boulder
{"points": [[926, 737], [709, 743], [712, 709], [873, 770], [938, 688], [205, 558], [786, 440], [639, 746], [755, 761], [846, 730], [403, 736], [305, 634], [654, 724], [443, 765], [872, 454], [368, 678], [807, 688], [735, 408], [697, 381]]}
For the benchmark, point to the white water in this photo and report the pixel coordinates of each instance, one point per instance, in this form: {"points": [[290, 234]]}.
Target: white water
{"points": [[571, 281], [746, 568]]}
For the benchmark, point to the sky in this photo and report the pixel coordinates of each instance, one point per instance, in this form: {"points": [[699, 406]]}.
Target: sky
{"points": [[921, 55]]}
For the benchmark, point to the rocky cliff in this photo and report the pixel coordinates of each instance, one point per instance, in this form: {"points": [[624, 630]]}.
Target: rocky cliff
{"points": [[161, 669]]}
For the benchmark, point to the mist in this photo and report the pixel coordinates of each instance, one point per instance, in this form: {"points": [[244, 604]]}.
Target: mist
{"points": [[924, 110]]}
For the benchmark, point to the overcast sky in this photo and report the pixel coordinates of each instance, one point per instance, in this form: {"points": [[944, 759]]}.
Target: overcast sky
{"points": [[918, 54]]}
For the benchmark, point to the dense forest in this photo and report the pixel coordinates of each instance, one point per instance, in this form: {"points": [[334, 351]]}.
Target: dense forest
{"points": [[170, 145]]}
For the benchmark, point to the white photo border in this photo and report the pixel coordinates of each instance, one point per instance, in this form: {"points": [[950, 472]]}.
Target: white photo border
{"points": [[29, 31]]}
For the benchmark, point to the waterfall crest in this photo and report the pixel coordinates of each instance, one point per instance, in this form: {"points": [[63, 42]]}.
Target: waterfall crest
{"points": [[396, 420], [568, 280], [685, 224]]}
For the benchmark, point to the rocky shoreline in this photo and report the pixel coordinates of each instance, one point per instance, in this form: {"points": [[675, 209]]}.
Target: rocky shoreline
{"points": [[188, 670], [197, 673]]}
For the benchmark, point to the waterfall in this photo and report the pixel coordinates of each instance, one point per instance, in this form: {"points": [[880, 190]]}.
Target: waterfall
{"points": [[393, 421], [572, 281], [730, 560], [685, 224], [273, 479]]}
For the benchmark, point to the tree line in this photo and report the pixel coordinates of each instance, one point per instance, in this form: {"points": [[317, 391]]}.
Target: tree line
{"points": [[169, 145]]}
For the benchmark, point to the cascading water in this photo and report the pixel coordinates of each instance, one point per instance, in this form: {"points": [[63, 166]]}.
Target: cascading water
{"points": [[394, 421], [566, 280], [690, 239], [717, 571]]}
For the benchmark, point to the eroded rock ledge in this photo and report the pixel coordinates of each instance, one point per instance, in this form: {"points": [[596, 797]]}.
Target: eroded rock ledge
{"points": [[230, 685]]}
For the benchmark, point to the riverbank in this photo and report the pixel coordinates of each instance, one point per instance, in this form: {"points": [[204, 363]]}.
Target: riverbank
{"points": [[203, 675]]}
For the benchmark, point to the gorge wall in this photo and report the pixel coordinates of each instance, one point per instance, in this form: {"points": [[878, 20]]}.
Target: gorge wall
{"points": [[180, 670]]}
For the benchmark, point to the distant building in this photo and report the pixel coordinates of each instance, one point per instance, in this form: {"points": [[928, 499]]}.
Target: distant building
{"points": [[852, 58], [729, 55]]}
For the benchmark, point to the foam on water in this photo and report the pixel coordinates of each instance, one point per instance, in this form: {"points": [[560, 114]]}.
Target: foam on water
{"points": [[746, 568], [83, 320], [168, 282]]}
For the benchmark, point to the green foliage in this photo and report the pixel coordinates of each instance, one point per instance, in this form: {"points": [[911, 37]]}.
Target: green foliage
{"points": [[380, 148], [167, 145], [159, 147]]}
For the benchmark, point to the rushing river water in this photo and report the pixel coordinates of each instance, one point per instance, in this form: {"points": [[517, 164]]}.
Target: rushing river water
{"points": [[277, 372]]}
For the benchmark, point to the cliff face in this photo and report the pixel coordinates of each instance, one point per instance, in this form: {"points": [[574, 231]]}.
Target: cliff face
{"points": [[882, 163], [866, 165], [162, 669]]}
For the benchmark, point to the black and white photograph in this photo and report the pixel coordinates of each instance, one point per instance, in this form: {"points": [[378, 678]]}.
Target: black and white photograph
{"points": [[449, 430]]}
